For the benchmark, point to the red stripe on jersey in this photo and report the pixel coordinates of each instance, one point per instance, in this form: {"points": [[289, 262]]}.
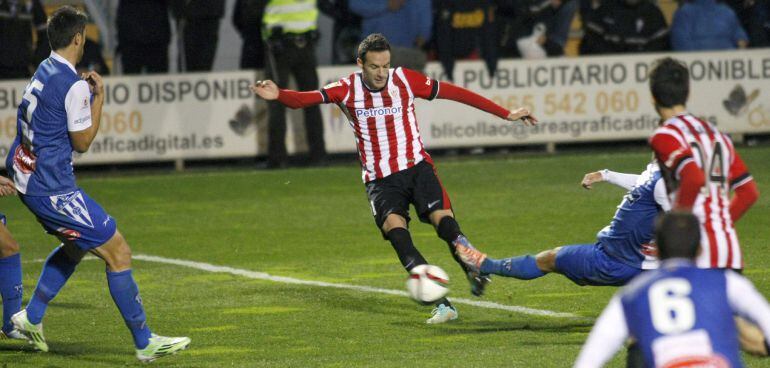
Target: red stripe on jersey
{"points": [[709, 230], [371, 124], [390, 127], [351, 105], [405, 119]]}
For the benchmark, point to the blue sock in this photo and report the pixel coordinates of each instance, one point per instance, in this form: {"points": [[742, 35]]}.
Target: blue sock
{"points": [[523, 268], [10, 288], [57, 270], [125, 293]]}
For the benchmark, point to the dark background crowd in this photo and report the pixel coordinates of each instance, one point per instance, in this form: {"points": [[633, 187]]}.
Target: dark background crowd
{"points": [[419, 30]]}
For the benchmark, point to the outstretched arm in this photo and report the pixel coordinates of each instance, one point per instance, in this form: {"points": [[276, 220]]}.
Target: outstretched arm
{"points": [[453, 92], [427, 88], [625, 181], [269, 91]]}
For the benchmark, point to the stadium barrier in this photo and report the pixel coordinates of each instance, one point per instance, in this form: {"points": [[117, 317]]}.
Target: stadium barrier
{"points": [[587, 99]]}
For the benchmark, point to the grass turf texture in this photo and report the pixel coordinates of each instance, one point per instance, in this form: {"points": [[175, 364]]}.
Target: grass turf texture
{"points": [[316, 224]]}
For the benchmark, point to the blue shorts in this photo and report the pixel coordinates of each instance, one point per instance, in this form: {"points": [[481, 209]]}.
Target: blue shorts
{"points": [[73, 217], [2, 219], [589, 264]]}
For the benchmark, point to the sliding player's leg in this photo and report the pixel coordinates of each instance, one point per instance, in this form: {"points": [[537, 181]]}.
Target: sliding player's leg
{"points": [[584, 264], [10, 281]]}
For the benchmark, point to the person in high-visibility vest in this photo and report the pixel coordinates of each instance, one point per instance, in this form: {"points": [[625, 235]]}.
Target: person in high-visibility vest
{"points": [[290, 30]]}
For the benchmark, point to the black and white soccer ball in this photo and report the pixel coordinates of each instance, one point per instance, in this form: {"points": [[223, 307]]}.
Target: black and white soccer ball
{"points": [[427, 283]]}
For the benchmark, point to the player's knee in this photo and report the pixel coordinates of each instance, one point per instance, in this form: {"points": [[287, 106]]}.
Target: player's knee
{"points": [[546, 260], [437, 216], [118, 255], [8, 248], [393, 221]]}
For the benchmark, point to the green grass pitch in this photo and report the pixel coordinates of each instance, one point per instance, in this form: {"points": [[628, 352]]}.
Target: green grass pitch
{"points": [[315, 224]]}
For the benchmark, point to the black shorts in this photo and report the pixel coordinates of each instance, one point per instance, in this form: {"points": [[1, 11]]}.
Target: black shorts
{"points": [[418, 185]]}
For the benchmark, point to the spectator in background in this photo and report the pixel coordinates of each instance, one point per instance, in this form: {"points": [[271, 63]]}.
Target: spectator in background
{"points": [[143, 36], [19, 19], [92, 60], [763, 14], [407, 25], [536, 28], [347, 30], [750, 14], [625, 26], [463, 28], [290, 28], [247, 19], [706, 25], [198, 25]]}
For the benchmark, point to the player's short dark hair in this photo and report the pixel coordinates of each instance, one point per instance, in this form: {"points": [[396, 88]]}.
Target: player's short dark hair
{"points": [[669, 82], [677, 235], [63, 25], [372, 42]]}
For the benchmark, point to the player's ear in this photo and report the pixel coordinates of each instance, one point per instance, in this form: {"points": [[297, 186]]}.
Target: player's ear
{"points": [[360, 62]]}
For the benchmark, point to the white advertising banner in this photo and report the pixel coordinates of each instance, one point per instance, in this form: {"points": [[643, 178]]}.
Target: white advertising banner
{"points": [[580, 99], [214, 115], [161, 117]]}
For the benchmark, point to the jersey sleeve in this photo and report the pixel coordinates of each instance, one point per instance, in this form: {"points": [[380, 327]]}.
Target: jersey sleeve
{"points": [[625, 181], [77, 103], [422, 86], [607, 336], [661, 195], [335, 92], [670, 151], [747, 302], [739, 173]]}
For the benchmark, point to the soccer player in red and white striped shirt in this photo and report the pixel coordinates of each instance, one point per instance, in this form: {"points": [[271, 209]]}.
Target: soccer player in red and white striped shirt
{"points": [[701, 167], [397, 171]]}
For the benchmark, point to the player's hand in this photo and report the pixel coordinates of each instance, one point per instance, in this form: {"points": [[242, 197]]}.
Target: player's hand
{"points": [[590, 178], [523, 115], [265, 89], [6, 187], [95, 83]]}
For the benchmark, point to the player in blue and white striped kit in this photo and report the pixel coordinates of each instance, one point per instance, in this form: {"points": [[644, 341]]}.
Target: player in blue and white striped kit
{"points": [[622, 250], [681, 316], [60, 112]]}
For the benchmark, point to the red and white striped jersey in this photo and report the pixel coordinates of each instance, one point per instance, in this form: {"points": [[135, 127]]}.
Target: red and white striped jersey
{"points": [[384, 122], [686, 138]]}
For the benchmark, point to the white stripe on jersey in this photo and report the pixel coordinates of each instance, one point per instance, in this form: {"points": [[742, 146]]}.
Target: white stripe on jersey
{"points": [[367, 156], [396, 101], [382, 136]]}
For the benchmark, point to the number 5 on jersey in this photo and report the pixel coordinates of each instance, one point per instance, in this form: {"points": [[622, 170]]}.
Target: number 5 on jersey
{"points": [[28, 110]]}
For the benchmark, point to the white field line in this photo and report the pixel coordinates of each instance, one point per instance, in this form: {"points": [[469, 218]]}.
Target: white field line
{"points": [[366, 289]]}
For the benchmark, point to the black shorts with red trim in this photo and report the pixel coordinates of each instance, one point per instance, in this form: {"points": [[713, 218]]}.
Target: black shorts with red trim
{"points": [[418, 185]]}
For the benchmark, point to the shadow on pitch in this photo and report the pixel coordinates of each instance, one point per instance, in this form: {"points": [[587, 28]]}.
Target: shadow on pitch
{"points": [[82, 352], [576, 325]]}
